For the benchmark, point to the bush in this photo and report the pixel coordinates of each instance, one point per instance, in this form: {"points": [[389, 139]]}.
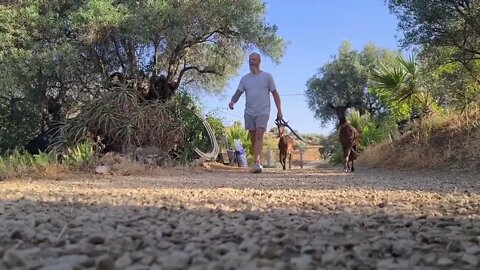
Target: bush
{"points": [[18, 124], [173, 127], [337, 156], [18, 164], [83, 155]]}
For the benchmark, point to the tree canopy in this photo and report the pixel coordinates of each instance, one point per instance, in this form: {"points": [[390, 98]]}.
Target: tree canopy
{"points": [[440, 23], [55, 54], [345, 78]]}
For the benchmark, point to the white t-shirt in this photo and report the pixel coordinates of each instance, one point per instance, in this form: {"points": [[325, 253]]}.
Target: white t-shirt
{"points": [[257, 88]]}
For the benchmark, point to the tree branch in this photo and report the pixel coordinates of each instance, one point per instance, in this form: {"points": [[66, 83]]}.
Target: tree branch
{"points": [[119, 55], [199, 70]]}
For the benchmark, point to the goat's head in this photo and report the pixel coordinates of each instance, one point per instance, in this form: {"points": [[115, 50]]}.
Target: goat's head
{"points": [[340, 110], [281, 127]]}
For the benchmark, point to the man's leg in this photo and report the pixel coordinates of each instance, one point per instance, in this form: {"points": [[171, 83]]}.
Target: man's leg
{"points": [[250, 126], [258, 146], [260, 127], [252, 134]]}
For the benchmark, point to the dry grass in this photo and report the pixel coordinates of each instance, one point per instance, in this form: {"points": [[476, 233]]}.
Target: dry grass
{"points": [[50, 171], [448, 141]]}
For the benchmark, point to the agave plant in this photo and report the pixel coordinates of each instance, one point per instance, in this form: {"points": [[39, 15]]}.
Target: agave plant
{"points": [[127, 120], [82, 154], [236, 131], [357, 120]]}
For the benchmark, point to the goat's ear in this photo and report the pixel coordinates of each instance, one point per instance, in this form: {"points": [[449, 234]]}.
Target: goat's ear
{"points": [[330, 105]]}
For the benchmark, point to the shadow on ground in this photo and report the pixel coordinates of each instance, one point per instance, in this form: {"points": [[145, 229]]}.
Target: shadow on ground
{"points": [[75, 235]]}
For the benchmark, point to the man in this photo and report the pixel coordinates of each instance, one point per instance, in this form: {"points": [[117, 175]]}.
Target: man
{"points": [[257, 86]]}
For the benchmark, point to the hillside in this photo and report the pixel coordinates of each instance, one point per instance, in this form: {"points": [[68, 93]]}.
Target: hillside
{"points": [[450, 144]]}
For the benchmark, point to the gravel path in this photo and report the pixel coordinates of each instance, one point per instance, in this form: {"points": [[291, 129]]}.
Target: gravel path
{"points": [[231, 219]]}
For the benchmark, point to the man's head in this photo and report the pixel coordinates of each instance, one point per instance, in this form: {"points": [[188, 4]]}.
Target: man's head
{"points": [[254, 61]]}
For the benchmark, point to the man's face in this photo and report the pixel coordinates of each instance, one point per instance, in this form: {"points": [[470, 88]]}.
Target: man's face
{"points": [[254, 61]]}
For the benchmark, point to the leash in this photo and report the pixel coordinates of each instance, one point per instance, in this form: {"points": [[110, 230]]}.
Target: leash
{"points": [[284, 123]]}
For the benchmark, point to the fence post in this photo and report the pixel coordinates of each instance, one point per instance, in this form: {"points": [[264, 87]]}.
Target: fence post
{"points": [[301, 157], [269, 157]]}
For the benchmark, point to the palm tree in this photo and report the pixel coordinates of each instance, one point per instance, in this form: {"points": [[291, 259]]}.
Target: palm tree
{"points": [[401, 82]]}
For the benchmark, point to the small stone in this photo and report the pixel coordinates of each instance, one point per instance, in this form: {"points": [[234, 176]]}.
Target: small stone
{"points": [[303, 262], [444, 261], [473, 250], [470, 259], [13, 258], [455, 246], [75, 260], [176, 260], [147, 259], [330, 256], [96, 240], [251, 216], [102, 169], [124, 261], [137, 267], [105, 263], [270, 252], [401, 249], [16, 235]]}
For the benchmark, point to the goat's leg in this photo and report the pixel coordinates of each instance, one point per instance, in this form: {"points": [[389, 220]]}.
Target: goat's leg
{"points": [[353, 168], [282, 160], [289, 160], [347, 156]]}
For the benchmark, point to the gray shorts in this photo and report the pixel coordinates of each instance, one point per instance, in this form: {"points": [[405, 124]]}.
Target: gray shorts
{"points": [[254, 122]]}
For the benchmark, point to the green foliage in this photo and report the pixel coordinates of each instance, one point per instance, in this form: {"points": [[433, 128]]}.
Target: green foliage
{"points": [[83, 155], [18, 123], [59, 54], [174, 127], [446, 32], [345, 79], [313, 138], [147, 124], [17, 163], [454, 85], [237, 131], [337, 156], [216, 123], [189, 116], [373, 133], [401, 87], [357, 120], [440, 24]]}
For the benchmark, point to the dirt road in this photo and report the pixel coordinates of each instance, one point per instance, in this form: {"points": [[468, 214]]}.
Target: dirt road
{"points": [[231, 219]]}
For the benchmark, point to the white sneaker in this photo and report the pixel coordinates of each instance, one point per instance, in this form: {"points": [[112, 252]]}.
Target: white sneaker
{"points": [[257, 168]]}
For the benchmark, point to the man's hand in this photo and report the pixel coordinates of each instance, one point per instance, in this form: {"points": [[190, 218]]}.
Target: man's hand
{"points": [[279, 115], [230, 105]]}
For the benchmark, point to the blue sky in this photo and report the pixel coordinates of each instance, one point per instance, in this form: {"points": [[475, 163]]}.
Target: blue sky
{"points": [[315, 30]]}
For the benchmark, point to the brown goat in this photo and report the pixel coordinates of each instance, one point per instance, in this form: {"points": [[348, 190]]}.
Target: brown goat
{"points": [[348, 136], [285, 145]]}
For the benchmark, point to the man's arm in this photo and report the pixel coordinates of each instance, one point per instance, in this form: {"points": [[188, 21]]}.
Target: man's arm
{"points": [[278, 103], [234, 99]]}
